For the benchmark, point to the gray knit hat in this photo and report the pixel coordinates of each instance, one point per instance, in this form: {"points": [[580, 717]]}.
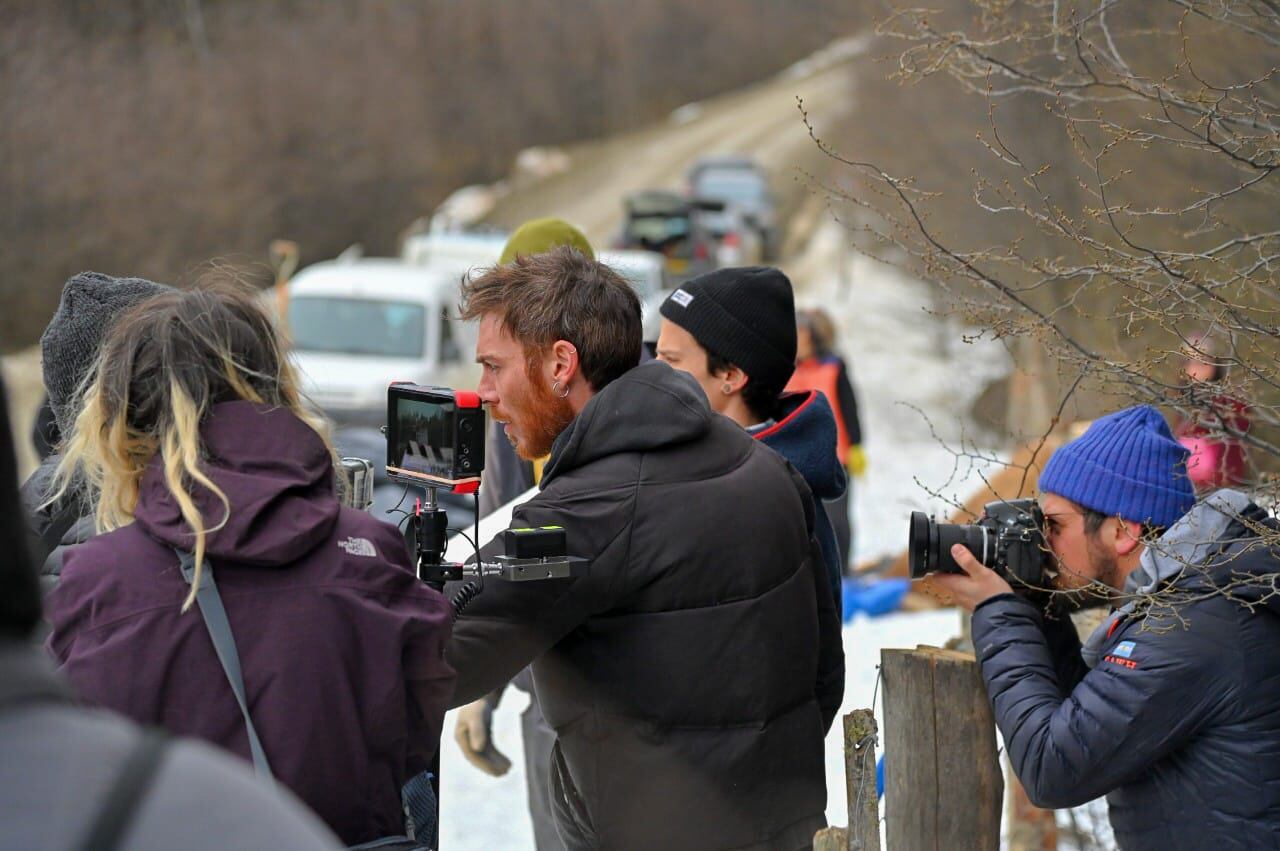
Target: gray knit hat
{"points": [[91, 302]]}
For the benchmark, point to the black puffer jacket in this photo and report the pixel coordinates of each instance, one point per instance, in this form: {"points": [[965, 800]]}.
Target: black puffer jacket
{"points": [[67, 522], [692, 675], [1178, 724]]}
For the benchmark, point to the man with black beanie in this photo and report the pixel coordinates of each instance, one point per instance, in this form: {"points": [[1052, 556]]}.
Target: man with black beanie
{"points": [[734, 330], [79, 778]]}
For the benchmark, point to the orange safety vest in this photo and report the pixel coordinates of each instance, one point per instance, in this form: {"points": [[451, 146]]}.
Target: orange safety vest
{"points": [[823, 374]]}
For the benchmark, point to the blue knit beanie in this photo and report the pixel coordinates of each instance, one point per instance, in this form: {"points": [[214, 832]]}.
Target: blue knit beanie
{"points": [[1127, 465]]}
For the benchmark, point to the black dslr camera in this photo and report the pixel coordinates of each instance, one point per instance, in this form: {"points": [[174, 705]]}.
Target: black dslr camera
{"points": [[1009, 539]]}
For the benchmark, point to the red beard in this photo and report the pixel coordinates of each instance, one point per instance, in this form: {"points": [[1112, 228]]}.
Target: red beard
{"points": [[539, 418]]}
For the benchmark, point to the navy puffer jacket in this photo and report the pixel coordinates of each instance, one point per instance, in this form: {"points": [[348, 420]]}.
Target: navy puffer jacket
{"points": [[1179, 722]]}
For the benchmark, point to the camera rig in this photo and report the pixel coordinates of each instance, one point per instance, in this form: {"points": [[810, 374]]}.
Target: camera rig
{"points": [[435, 439], [529, 553]]}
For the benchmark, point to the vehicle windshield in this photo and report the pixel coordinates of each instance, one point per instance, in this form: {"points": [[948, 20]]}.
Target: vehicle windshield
{"points": [[357, 326], [737, 186], [657, 229]]}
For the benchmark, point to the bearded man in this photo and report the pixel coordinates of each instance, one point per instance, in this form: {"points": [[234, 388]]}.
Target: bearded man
{"points": [[1171, 708], [692, 674]]}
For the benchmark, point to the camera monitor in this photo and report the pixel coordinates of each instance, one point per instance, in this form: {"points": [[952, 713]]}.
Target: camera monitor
{"points": [[435, 437]]}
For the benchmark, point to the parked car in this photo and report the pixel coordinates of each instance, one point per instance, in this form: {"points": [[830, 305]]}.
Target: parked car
{"points": [[356, 325], [646, 271], [743, 183], [670, 224]]}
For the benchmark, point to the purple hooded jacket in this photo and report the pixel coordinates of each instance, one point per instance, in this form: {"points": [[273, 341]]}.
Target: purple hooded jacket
{"points": [[342, 647]]}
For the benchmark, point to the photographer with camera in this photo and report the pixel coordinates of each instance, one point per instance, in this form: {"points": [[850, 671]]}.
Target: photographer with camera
{"points": [[202, 463], [1171, 708], [690, 676]]}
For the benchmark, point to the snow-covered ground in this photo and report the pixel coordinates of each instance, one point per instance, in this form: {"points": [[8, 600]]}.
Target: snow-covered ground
{"points": [[905, 361], [915, 377]]}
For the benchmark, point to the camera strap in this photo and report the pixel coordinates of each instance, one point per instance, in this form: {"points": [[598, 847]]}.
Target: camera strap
{"points": [[215, 620]]}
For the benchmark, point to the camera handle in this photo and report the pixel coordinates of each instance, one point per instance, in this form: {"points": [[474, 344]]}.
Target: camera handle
{"points": [[531, 554]]}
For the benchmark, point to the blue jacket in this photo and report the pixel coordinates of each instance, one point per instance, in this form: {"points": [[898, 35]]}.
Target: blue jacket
{"points": [[805, 434], [1179, 722]]}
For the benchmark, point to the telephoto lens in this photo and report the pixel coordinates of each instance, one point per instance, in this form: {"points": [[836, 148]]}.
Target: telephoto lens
{"points": [[929, 545]]}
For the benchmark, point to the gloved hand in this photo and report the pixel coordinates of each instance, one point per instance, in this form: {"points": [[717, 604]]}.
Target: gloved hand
{"points": [[856, 462], [474, 734]]}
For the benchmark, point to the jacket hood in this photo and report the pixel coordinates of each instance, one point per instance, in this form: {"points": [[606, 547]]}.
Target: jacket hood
{"points": [[277, 475], [1238, 561], [650, 406], [805, 434], [1207, 549]]}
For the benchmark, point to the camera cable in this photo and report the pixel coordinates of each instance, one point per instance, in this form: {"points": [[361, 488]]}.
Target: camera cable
{"points": [[469, 591]]}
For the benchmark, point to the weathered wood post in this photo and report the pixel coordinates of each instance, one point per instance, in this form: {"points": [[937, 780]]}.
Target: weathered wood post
{"points": [[863, 833], [860, 780], [943, 783]]}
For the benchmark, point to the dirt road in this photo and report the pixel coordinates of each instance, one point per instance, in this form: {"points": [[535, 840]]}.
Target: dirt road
{"points": [[761, 121]]}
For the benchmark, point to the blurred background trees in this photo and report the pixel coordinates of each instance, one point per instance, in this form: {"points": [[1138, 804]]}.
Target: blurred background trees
{"points": [[146, 137]]}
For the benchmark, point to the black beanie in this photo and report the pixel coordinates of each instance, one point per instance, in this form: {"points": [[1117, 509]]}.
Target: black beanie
{"points": [[91, 302], [745, 315]]}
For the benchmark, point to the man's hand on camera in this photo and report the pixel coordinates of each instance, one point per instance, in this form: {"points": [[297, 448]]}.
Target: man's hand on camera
{"points": [[976, 585], [474, 735]]}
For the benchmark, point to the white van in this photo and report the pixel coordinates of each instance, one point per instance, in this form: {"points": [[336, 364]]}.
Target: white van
{"points": [[358, 325]]}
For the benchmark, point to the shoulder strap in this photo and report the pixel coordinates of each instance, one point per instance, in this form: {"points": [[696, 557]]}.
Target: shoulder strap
{"points": [[127, 791], [215, 620]]}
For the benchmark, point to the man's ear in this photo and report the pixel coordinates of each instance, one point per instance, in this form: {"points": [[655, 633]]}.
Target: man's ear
{"points": [[564, 362], [1128, 536]]}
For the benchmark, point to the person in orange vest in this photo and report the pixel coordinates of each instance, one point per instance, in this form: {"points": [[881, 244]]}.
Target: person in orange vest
{"points": [[818, 367]]}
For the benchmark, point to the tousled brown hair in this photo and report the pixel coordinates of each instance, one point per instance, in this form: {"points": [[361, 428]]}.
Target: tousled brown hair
{"points": [[562, 295]]}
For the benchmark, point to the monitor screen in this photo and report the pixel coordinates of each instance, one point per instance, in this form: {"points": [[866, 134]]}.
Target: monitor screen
{"points": [[421, 439]]}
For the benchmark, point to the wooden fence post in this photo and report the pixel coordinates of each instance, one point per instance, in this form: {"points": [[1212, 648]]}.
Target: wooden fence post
{"points": [[860, 780], [863, 833], [943, 783]]}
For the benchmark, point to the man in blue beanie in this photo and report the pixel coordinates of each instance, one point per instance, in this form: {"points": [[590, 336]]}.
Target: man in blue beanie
{"points": [[1171, 708]]}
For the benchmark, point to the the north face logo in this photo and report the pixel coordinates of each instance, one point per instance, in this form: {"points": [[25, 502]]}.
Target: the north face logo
{"points": [[359, 547]]}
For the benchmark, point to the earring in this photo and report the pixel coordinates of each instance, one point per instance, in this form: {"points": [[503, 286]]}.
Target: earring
{"points": [[726, 389], [555, 388]]}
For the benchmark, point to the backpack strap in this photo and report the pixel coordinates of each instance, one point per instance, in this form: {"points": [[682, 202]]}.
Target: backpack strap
{"points": [[224, 643], [111, 822]]}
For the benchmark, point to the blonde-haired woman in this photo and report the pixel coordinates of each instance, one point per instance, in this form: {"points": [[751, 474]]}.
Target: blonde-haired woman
{"points": [[191, 437]]}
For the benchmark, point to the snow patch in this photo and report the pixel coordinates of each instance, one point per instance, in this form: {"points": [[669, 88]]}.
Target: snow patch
{"points": [[685, 114], [839, 51], [540, 162]]}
